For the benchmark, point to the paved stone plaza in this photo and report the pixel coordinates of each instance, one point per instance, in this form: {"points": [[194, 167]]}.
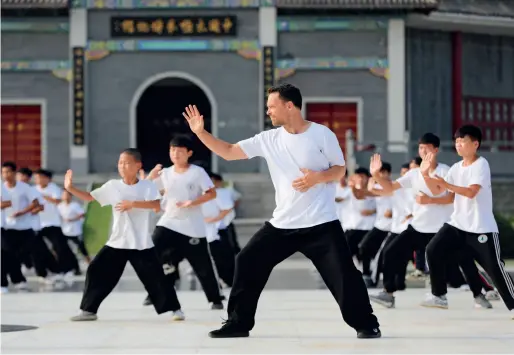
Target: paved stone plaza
{"points": [[306, 321]]}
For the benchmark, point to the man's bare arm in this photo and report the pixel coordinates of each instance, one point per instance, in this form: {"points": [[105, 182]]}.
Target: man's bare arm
{"points": [[219, 147]]}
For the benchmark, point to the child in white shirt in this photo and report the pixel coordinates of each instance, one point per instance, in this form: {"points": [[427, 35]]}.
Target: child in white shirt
{"points": [[132, 202]]}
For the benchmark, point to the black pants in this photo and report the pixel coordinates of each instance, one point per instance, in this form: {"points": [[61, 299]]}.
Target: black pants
{"points": [[354, 237], [330, 254], [173, 247], [232, 237], [369, 247], [420, 261], [486, 250], [13, 245], [223, 256], [66, 260], [80, 245], [398, 253], [106, 269], [379, 265]]}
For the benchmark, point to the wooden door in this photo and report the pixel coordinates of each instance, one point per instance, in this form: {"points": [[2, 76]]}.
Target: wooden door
{"points": [[21, 135], [339, 117]]}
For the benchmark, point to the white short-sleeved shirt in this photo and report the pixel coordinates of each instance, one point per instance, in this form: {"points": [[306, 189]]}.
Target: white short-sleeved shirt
{"points": [[69, 211], [431, 217], [402, 206], [130, 229], [358, 221], [50, 217], [236, 195], [474, 215], [188, 185], [212, 209], [22, 195], [225, 201], [343, 208], [316, 149], [384, 204], [6, 196]]}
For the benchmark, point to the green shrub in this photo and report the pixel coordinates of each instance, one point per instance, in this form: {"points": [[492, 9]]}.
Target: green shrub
{"points": [[506, 230]]}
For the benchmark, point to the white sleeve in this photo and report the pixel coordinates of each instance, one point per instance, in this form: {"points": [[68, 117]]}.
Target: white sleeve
{"points": [[223, 202], [6, 196], [236, 195], [405, 181], [33, 194], [55, 192], [332, 149], [152, 192], [481, 174], [253, 147], [105, 194], [449, 175], [204, 180]]}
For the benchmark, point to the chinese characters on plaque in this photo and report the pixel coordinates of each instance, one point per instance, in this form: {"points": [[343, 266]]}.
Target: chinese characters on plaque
{"points": [[174, 26], [268, 69], [78, 95]]}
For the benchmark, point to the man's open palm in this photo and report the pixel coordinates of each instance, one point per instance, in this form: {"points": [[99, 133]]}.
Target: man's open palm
{"points": [[195, 120]]}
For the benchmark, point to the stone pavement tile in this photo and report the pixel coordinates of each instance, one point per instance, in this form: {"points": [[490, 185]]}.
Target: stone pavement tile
{"points": [[286, 322]]}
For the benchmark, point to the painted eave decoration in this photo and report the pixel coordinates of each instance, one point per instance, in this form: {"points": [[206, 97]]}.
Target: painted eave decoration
{"points": [[169, 4], [498, 8], [36, 4], [360, 4]]}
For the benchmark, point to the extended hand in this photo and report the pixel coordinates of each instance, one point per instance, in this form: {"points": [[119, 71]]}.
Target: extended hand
{"points": [[68, 179], [375, 164], [195, 120], [184, 204], [308, 180], [124, 206], [423, 199], [17, 214], [426, 163], [154, 173]]}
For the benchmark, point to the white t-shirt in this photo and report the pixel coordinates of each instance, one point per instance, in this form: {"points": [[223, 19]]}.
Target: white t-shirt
{"points": [[188, 185], [6, 196], [130, 230], [210, 209], [474, 215], [22, 195], [36, 222], [236, 195], [384, 204], [225, 202], [402, 205], [344, 208], [69, 211], [431, 217], [50, 217], [316, 149], [358, 221]]}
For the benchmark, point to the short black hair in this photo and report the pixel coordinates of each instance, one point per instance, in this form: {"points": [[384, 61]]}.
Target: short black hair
{"points": [[362, 171], [182, 141], [288, 92], [430, 138], [44, 172], [25, 171], [406, 166], [215, 176], [386, 167], [9, 164], [134, 153], [417, 160], [473, 132]]}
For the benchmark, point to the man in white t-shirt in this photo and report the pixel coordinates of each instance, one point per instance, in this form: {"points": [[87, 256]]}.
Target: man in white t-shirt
{"points": [[18, 237], [6, 202], [472, 223], [305, 162], [370, 244], [180, 232], [132, 202], [50, 220]]}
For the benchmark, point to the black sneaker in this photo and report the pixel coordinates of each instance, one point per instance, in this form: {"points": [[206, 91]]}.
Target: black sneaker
{"points": [[217, 306], [369, 334], [229, 330], [147, 301]]}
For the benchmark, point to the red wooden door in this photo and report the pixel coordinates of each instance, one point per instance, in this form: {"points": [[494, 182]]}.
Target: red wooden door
{"points": [[339, 117], [21, 135]]}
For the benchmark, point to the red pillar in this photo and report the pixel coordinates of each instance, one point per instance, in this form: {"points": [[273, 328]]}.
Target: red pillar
{"points": [[457, 79]]}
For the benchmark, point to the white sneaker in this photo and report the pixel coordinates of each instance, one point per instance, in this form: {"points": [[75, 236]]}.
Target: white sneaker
{"points": [[69, 278], [492, 295], [512, 314], [4, 290], [45, 280], [178, 316], [432, 301], [22, 286], [465, 287]]}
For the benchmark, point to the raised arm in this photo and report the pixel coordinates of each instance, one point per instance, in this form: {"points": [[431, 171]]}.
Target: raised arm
{"points": [[219, 147], [375, 165], [68, 185]]}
